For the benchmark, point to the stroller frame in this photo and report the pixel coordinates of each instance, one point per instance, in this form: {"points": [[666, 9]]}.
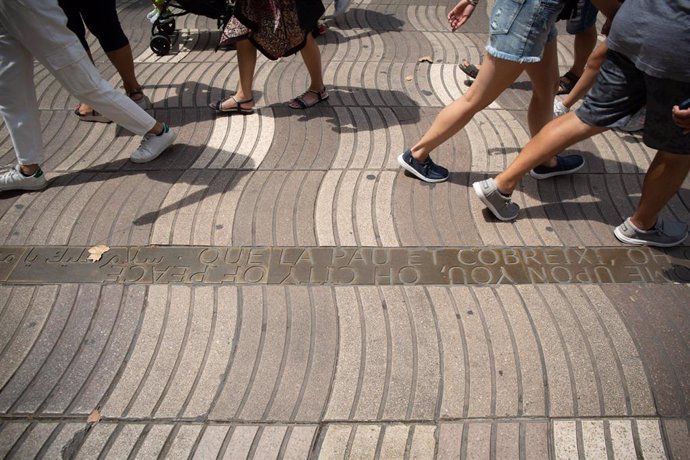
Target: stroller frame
{"points": [[164, 26]]}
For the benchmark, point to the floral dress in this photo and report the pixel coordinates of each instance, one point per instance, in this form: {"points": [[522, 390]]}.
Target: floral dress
{"points": [[276, 28]]}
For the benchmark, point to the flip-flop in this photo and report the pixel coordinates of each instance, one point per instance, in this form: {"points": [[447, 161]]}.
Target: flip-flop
{"points": [[567, 82], [300, 103], [470, 69], [237, 108], [92, 116]]}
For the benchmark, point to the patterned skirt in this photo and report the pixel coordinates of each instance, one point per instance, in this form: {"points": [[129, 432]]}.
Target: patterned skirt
{"points": [[276, 28]]}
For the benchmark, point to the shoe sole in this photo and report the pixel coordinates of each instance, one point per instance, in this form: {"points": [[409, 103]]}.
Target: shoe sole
{"points": [[134, 160], [556, 174], [637, 242], [414, 172], [480, 194], [24, 189]]}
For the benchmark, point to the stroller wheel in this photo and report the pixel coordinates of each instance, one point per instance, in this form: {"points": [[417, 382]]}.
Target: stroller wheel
{"points": [[160, 44]]}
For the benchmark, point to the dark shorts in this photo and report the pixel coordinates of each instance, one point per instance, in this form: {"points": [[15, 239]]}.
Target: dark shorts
{"points": [[100, 17], [621, 90], [584, 18]]}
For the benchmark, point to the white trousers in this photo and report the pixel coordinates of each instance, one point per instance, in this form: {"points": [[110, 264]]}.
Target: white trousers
{"points": [[37, 28]]}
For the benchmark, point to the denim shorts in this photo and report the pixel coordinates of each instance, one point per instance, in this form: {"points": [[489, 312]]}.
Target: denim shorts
{"points": [[585, 17], [621, 89], [519, 29]]}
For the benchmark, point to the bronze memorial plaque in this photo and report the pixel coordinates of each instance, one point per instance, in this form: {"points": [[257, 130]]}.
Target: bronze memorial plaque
{"points": [[345, 265]]}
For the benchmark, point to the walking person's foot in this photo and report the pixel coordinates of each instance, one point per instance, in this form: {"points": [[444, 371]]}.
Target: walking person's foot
{"points": [[663, 234], [152, 145], [499, 204], [14, 179], [565, 164], [426, 170]]}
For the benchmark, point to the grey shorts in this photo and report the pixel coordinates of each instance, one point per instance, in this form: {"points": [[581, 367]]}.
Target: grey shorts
{"points": [[621, 90]]}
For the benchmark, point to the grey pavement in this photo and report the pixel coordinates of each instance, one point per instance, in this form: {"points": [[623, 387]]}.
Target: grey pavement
{"points": [[276, 287]]}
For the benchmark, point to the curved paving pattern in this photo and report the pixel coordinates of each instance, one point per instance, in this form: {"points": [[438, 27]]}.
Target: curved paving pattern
{"points": [[211, 370]]}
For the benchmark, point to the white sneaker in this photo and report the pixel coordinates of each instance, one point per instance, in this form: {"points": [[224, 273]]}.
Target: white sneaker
{"points": [[559, 109], [13, 179], [152, 146]]}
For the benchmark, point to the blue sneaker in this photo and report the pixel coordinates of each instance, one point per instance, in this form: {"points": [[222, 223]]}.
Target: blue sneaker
{"points": [[566, 164], [428, 171]]}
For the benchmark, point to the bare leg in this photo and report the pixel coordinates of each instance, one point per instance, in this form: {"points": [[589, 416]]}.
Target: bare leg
{"points": [[311, 55], [124, 63], [542, 74], [588, 77], [663, 180], [585, 42], [312, 60], [495, 77], [246, 60], [558, 135]]}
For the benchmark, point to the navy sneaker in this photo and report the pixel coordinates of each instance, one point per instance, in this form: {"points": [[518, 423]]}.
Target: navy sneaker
{"points": [[566, 164], [428, 171]]}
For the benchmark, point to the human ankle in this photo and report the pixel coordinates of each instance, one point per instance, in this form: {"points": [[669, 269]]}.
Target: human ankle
{"points": [[643, 224], [158, 128], [505, 187], [28, 170]]}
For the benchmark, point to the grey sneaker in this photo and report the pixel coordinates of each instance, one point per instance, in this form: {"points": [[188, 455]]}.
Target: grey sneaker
{"points": [[663, 235], [13, 179], [152, 145], [500, 205]]}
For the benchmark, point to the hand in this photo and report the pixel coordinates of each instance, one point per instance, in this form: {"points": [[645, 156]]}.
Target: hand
{"points": [[682, 118], [460, 14]]}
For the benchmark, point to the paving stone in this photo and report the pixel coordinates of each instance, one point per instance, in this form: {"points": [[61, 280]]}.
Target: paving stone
{"points": [[269, 357], [36, 438], [300, 442], [154, 441], [10, 434], [240, 442], [678, 436], [347, 377], [622, 439], [211, 442], [96, 440], [364, 442], [238, 378], [565, 440], [269, 442], [478, 440], [507, 440], [183, 441], [123, 444], [449, 440], [394, 441], [423, 442], [650, 439], [335, 441], [594, 439], [375, 347]]}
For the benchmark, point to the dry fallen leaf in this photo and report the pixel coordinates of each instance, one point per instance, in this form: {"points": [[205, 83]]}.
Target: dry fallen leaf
{"points": [[97, 252], [426, 59], [408, 78], [94, 416]]}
